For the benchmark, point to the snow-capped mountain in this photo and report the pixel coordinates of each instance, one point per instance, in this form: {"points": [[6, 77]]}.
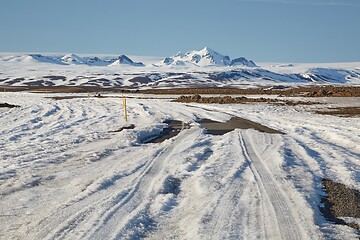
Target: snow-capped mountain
{"points": [[41, 58], [122, 59], [203, 58], [72, 59], [241, 61], [205, 68], [95, 61], [206, 57]]}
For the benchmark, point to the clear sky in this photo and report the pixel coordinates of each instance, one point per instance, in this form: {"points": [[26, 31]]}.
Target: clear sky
{"points": [[262, 30]]}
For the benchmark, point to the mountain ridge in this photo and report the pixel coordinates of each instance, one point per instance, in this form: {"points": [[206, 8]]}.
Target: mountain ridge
{"points": [[206, 68], [197, 58], [206, 57], [73, 59]]}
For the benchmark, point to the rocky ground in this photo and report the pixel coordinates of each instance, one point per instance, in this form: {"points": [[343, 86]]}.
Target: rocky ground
{"points": [[341, 201], [341, 111], [314, 91], [228, 99], [309, 91]]}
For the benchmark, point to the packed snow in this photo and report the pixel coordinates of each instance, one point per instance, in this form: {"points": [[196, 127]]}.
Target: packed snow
{"points": [[64, 173]]}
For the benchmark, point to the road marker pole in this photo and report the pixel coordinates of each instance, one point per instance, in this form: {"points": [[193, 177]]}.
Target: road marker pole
{"points": [[124, 106]]}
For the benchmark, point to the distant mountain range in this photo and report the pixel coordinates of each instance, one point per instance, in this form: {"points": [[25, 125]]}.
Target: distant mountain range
{"points": [[202, 58], [203, 68], [73, 59]]}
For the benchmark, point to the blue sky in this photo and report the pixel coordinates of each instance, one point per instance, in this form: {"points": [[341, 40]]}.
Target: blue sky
{"points": [[262, 30]]}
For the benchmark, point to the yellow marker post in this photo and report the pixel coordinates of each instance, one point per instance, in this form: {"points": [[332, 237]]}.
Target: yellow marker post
{"points": [[125, 110]]}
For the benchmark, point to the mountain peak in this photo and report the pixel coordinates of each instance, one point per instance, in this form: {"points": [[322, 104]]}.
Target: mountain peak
{"points": [[72, 58], [203, 57], [45, 59], [123, 59], [241, 61], [206, 57], [207, 50]]}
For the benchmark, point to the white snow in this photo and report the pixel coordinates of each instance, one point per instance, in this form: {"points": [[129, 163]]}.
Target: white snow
{"points": [[65, 175], [351, 220]]}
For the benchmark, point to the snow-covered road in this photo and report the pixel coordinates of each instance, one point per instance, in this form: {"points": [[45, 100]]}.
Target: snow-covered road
{"points": [[64, 173]]}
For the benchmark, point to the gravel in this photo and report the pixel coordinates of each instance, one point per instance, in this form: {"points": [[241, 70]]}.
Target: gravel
{"points": [[341, 201]]}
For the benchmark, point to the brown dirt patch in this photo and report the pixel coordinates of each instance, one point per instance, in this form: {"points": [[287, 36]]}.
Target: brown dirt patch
{"points": [[309, 91], [228, 99], [76, 97], [62, 89], [68, 97], [220, 128], [341, 111], [340, 201], [103, 96]]}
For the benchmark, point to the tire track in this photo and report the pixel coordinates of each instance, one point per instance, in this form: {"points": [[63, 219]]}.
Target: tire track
{"points": [[223, 223], [275, 198], [143, 193], [115, 214]]}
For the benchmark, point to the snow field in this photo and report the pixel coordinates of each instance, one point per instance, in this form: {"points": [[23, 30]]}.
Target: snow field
{"points": [[65, 175]]}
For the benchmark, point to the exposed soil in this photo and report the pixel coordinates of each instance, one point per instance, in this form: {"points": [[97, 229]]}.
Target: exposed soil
{"points": [[68, 97], [310, 91], [7, 105], [131, 126], [102, 96], [76, 97], [228, 99], [341, 111], [173, 129], [62, 89], [340, 201], [220, 128]]}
